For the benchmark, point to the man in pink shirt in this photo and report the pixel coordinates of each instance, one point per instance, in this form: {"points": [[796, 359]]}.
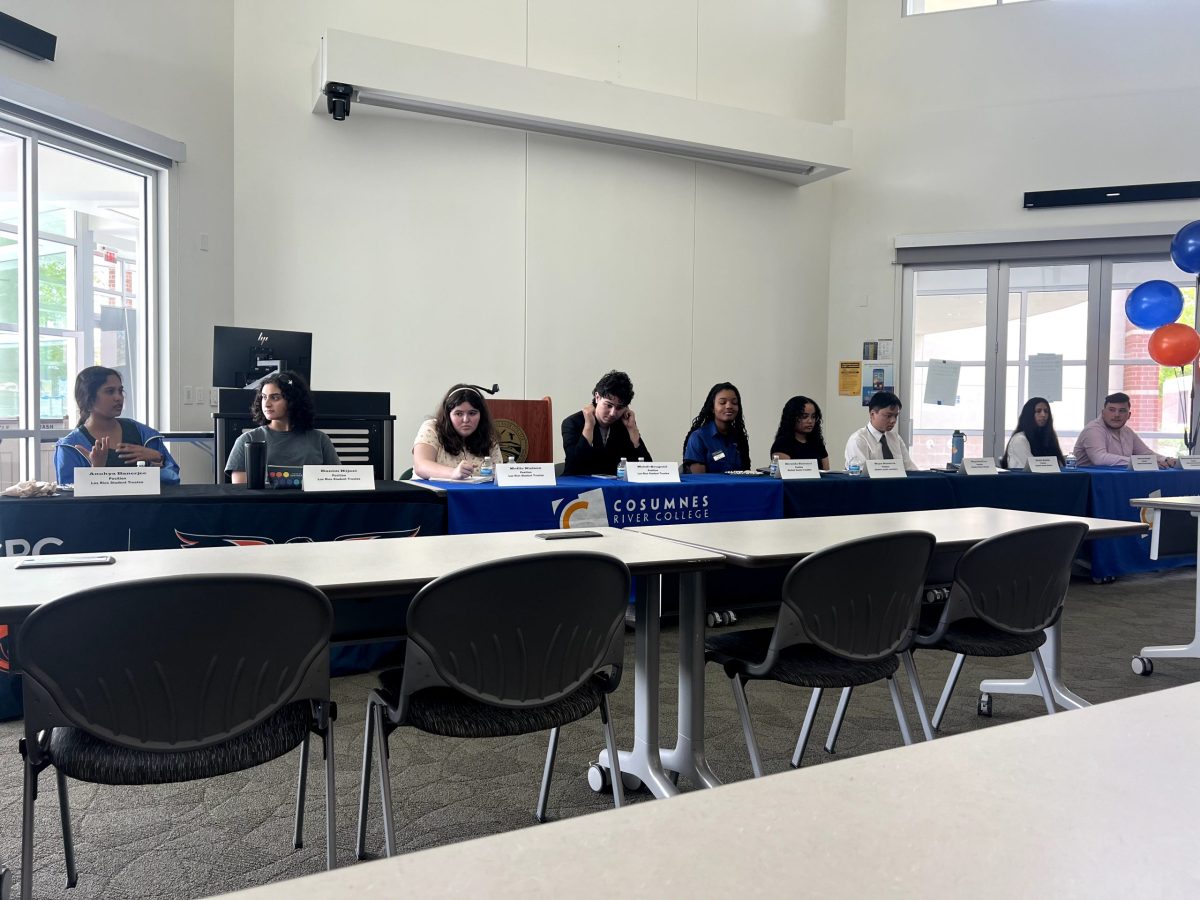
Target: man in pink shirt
{"points": [[1108, 441]]}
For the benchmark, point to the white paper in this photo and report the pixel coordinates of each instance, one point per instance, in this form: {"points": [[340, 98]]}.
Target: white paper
{"points": [[652, 472], [118, 481], [524, 474], [885, 350], [338, 478], [885, 468], [1045, 376], [983, 465], [1143, 462], [941, 384], [793, 469], [1042, 464], [1189, 462]]}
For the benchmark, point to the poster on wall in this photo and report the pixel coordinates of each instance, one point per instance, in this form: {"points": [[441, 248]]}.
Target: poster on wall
{"points": [[849, 375], [878, 373], [941, 384], [1046, 376]]}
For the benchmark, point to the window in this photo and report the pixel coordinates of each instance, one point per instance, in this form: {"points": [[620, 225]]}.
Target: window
{"points": [[995, 318], [90, 299], [917, 7]]}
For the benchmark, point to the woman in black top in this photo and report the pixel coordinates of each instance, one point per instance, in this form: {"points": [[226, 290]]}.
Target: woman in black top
{"points": [[799, 434]]}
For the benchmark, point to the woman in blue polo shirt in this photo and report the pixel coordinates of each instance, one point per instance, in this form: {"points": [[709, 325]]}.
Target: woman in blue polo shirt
{"points": [[717, 440]]}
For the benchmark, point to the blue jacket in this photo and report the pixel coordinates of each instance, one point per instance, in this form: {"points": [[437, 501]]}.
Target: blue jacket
{"points": [[72, 451]]}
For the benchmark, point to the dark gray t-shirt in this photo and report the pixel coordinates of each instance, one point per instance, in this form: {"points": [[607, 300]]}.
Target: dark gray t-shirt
{"points": [[285, 448]]}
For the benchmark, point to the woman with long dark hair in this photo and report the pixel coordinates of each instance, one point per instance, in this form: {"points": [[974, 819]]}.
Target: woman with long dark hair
{"points": [[717, 440], [455, 441], [105, 439], [1034, 436], [284, 413], [799, 434]]}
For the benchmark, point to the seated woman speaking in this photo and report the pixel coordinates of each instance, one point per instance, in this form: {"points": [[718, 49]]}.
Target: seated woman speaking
{"points": [[717, 440], [283, 410], [453, 443], [102, 438]]}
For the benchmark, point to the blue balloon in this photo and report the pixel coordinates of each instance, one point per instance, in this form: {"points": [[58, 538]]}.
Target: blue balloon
{"points": [[1185, 247], [1154, 303]]}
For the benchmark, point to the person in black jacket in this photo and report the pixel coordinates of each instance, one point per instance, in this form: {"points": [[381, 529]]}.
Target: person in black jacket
{"points": [[596, 437]]}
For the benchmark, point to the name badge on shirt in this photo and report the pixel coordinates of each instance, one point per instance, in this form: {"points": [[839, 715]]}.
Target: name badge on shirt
{"points": [[718, 456], [1143, 462], [1042, 464]]}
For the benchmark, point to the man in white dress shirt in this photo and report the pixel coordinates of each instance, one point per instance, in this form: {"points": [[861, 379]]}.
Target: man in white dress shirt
{"points": [[879, 439]]}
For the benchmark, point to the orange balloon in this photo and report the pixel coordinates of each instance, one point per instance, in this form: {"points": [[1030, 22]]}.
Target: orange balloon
{"points": [[1174, 345]]}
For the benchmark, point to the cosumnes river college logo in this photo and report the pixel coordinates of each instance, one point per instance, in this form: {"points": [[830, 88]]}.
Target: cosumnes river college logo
{"points": [[592, 509]]}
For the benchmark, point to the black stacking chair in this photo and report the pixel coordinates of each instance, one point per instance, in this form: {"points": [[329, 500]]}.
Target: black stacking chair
{"points": [[1007, 591], [848, 612], [512, 647], [174, 679]]}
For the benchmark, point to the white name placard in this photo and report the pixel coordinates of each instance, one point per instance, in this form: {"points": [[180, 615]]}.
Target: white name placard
{"points": [[338, 478], [983, 465], [1189, 462], [652, 472], [118, 482], [524, 474], [885, 468], [792, 469], [1042, 464], [1143, 462]]}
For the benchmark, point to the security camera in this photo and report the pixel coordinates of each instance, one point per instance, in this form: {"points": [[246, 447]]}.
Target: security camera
{"points": [[337, 99]]}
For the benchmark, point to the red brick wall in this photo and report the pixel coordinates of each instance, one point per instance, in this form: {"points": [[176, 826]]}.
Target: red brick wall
{"points": [[1141, 382]]}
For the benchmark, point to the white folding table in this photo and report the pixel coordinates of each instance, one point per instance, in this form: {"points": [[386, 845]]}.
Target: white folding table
{"points": [[1190, 650], [780, 541]]}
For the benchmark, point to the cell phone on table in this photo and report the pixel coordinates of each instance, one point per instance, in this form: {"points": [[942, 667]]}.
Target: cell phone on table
{"points": [[566, 533], [50, 562]]}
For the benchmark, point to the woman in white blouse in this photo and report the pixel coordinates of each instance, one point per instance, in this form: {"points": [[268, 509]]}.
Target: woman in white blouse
{"points": [[1035, 436], [452, 444]]}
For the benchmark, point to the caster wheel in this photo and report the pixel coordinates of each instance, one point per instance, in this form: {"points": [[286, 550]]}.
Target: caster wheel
{"points": [[713, 619], [630, 782], [1142, 665], [985, 705], [731, 618], [599, 779]]}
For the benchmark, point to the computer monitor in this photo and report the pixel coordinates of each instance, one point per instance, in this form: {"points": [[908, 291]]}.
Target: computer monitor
{"points": [[241, 356]]}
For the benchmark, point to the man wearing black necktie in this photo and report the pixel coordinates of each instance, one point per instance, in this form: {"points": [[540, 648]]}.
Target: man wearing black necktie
{"points": [[878, 440]]}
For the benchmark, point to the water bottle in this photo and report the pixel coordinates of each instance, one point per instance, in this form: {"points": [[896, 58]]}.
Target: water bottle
{"points": [[854, 467], [1071, 461], [958, 445], [774, 472], [485, 467], [622, 466]]}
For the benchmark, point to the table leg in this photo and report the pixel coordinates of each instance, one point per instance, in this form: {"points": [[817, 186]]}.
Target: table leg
{"points": [[687, 757], [5, 882], [1182, 651], [644, 761], [1052, 657]]}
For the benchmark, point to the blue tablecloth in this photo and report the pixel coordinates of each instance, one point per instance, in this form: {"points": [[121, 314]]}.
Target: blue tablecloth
{"points": [[582, 502], [1111, 491], [1066, 493], [837, 494]]}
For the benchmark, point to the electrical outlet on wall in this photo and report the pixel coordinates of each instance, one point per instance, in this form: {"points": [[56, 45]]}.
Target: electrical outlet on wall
{"points": [[189, 396], [212, 397]]}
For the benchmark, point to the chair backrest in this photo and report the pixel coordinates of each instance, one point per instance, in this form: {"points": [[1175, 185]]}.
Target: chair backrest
{"points": [[519, 632], [175, 663], [858, 600], [1017, 581]]}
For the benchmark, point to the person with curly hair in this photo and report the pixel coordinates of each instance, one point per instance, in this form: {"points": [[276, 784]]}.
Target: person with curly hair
{"points": [[605, 430], [717, 440], [799, 434], [454, 442], [102, 438], [284, 413]]}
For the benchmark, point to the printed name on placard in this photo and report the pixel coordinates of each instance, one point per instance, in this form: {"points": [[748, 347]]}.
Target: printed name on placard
{"points": [[1043, 464], [652, 472], [984, 465], [524, 474], [118, 482], [793, 469], [885, 468], [338, 478]]}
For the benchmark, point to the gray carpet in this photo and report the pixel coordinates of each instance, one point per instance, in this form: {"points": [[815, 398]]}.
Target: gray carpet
{"points": [[202, 838]]}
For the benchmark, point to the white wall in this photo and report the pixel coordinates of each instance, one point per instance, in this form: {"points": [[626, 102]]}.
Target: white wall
{"points": [[168, 68], [431, 252], [956, 115]]}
